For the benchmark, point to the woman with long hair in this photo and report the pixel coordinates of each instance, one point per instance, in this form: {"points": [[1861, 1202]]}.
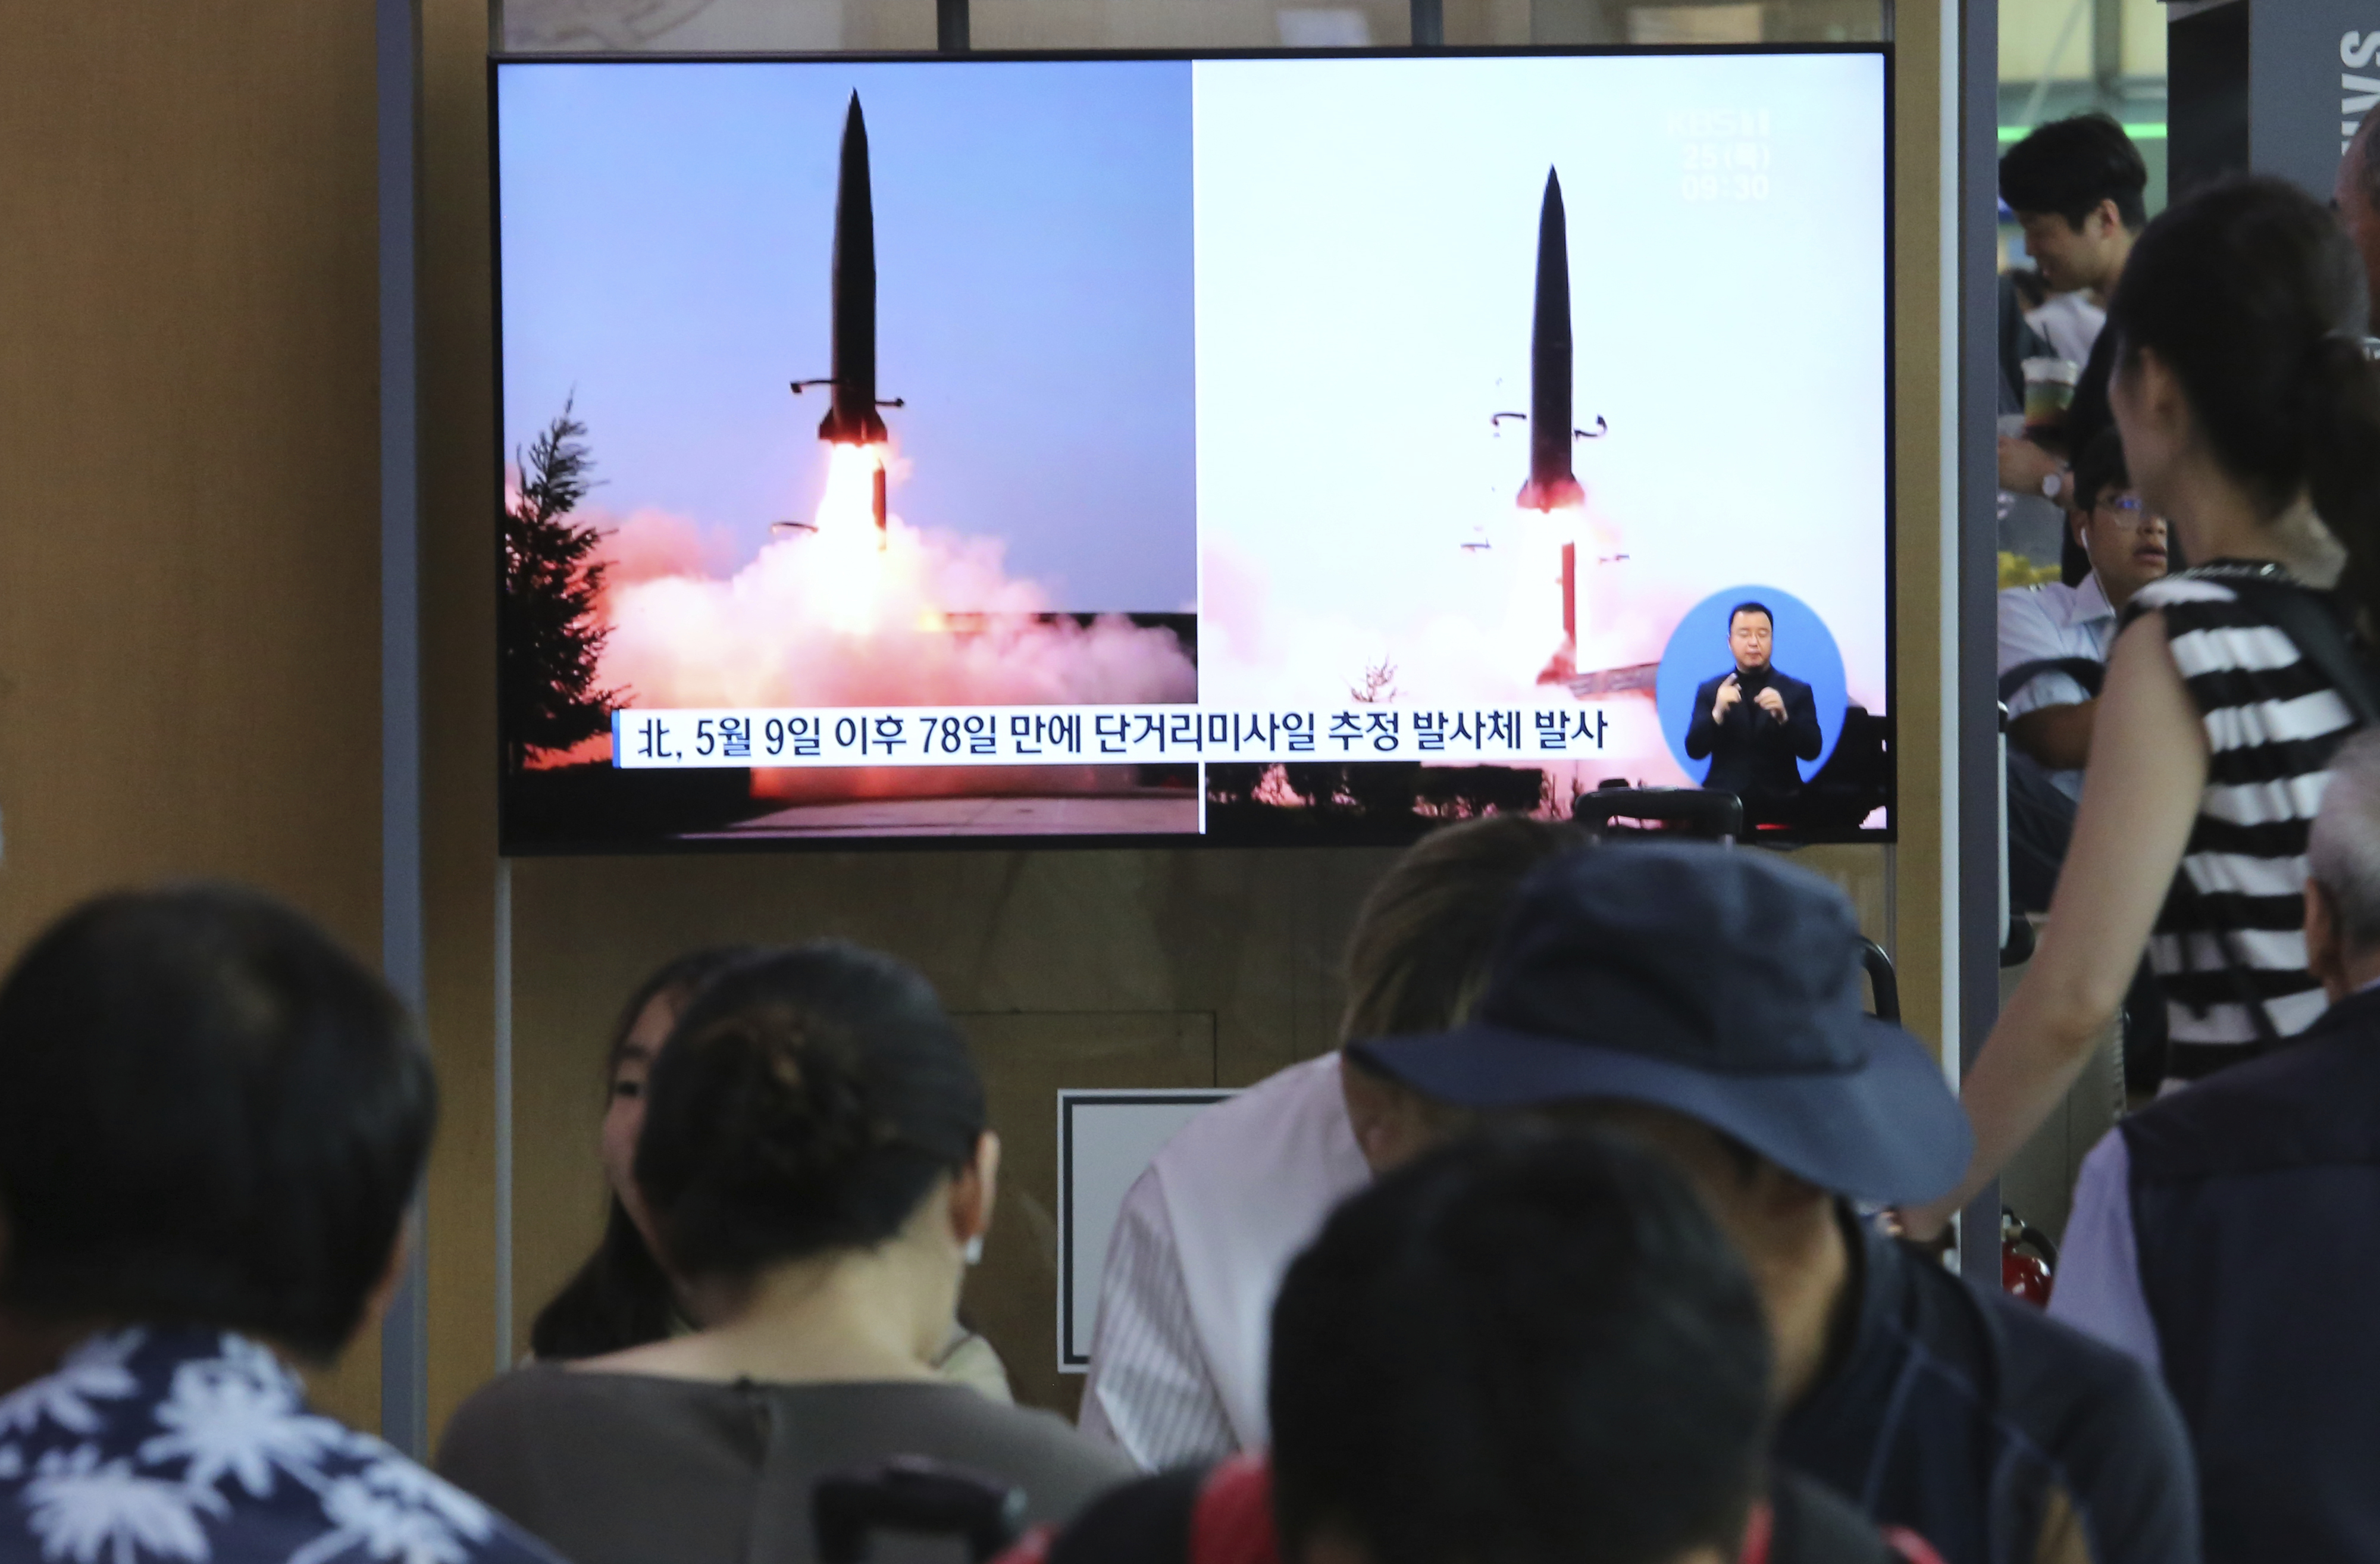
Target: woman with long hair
{"points": [[2251, 420], [621, 1297]]}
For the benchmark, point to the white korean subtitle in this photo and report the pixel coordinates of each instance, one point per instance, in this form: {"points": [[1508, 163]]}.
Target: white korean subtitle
{"points": [[972, 736]]}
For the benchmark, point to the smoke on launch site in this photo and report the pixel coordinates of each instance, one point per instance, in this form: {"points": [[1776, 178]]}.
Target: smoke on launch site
{"points": [[948, 625]]}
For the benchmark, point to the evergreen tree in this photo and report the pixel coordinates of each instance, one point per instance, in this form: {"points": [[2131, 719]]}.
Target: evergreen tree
{"points": [[550, 636]]}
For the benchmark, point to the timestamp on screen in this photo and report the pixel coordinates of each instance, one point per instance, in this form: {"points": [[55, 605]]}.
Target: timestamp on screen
{"points": [[1734, 169], [1725, 187]]}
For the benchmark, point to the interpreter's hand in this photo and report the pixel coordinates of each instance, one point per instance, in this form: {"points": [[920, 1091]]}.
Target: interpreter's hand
{"points": [[1771, 701], [1729, 692], [2023, 465]]}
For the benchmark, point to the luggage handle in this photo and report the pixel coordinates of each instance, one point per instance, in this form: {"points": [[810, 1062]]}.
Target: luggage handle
{"points": [[916, 1495]]}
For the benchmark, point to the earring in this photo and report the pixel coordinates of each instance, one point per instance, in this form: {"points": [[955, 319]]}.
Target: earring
{"points": [[974, 1250]]}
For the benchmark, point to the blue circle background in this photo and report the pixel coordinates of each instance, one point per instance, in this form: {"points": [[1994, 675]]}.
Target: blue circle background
{"points": [[1803, 648]]}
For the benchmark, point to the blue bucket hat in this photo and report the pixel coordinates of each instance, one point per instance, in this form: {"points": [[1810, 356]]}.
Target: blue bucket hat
{"points": [[1720, 984]]}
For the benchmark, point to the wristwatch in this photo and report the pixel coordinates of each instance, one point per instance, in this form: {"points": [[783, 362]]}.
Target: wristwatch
{"points": [[2052, 484]]}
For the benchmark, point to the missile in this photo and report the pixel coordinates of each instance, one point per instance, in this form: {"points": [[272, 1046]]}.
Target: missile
{"points": [[851, 417], [1551, 484]]}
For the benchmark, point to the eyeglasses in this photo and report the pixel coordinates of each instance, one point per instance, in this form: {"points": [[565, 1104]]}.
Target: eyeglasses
{"points": [[2126, 506]]}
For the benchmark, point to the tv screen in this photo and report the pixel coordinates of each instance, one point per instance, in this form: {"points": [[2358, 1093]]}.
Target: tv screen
{"points": [[1238, 449]]}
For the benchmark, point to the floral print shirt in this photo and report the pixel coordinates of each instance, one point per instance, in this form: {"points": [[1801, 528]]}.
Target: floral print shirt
{"points": [[195, 1446]]}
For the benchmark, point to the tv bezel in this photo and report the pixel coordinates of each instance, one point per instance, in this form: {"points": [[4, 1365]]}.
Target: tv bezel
{"points": [[509, 843]]}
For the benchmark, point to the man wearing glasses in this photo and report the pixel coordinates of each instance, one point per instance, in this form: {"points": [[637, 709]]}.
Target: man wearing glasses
{"points": [[2054, 640]]}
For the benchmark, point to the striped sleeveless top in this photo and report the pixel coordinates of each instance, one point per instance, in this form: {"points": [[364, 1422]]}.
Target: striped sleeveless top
{"points": [[2273, 720]]}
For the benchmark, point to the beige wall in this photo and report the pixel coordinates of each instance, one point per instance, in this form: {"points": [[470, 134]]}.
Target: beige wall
{"points": [[1920, 390], [189, 464]]}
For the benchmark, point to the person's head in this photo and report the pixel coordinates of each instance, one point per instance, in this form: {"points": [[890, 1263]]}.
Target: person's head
{"points": [[621, 1297], [1751, 635], [2342, 892], [2123, 539], [2075, 186], [637, 1038], [1709, 1001], [2357, 196], [1419, 955], [810, 1107], [1519, 1347], [2240, 370], [209, 1114]]}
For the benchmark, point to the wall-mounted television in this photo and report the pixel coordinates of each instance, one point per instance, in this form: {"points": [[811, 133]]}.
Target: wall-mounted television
{"points": [[1164, 449]]}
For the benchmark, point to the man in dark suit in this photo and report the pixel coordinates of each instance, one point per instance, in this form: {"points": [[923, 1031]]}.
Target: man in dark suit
{"points": [[1753, 723]]}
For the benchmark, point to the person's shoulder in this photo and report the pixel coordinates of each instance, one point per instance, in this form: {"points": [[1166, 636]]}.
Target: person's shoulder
{"points": [[397, 1496], [2047, 601], [2184, 592], [523, 1390], [2020, 1367], [521, 1408], [1037, 1430], [1249, 1118], [1060, 1467], [2064, 1390], [2302, 1106], [485, 1536]]}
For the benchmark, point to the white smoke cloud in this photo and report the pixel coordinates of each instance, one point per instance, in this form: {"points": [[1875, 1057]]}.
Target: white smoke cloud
{"points": [[823, 619]]}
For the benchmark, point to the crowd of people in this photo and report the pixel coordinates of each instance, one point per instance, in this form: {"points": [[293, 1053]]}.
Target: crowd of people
{"points": [[1604, 1237]]}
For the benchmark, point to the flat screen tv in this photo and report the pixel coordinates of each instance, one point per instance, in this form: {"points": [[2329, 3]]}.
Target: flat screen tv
{"points": [[1166, 448]]}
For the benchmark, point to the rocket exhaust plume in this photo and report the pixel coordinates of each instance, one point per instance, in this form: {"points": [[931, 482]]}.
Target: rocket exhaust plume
{"points": [[851, 417], [1551, 485]]}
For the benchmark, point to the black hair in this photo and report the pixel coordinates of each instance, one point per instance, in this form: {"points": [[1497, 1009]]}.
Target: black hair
{"points": [[1749, 605], [2253, 298], [806, 1102], [1522, 1347], [209, 1114], [2069, 167], [621, 1297], [2100, 470]]}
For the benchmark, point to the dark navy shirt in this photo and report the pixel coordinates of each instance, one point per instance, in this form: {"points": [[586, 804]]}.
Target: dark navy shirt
{"points": [[1974, 1419], [2255, 1194], [195, 1446]]}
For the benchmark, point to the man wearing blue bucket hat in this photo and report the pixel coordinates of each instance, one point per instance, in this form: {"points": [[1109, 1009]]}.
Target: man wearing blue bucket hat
{"points": [[1710, 1001]]}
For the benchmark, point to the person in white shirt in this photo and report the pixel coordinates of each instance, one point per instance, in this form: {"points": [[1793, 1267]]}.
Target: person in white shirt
{"points": [[1178, 1356], [2067, 324], [2052, 639]]}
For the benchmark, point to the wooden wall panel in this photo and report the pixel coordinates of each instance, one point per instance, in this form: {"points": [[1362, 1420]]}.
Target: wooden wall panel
{"points": [[1921, 390], [189, 464], [459, 497]]}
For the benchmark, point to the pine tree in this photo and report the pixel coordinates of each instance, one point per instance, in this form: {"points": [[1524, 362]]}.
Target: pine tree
{"points": [[551, 637]]}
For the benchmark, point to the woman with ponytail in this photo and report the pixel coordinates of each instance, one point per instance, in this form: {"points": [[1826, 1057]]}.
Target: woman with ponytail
{"points": [[2251, 420], [815, 1170]]}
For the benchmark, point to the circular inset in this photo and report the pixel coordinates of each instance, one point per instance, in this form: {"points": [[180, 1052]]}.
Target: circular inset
{"points": [[1802, 651]]}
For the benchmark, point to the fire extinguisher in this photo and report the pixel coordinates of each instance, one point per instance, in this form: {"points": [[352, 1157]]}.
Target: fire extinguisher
{"points": [[2026, 1276]]}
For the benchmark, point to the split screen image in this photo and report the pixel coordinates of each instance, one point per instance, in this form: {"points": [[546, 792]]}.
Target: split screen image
{"points": [[1450, 384]]}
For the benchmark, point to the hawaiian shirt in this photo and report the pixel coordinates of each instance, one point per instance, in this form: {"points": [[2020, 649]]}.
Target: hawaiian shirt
{"points": [[196, 1446]]}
